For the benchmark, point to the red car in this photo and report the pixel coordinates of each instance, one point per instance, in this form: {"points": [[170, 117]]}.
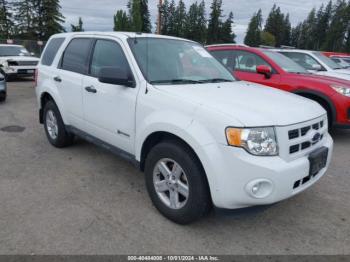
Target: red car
{"points": [[270, 68]]}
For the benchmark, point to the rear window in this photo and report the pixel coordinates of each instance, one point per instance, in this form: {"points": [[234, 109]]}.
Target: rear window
{"points": [[76, 55], [51, 51]]}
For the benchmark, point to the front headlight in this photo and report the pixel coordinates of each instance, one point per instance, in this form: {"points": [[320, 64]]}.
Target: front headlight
{"points": [[343, 90], [260, 141]]}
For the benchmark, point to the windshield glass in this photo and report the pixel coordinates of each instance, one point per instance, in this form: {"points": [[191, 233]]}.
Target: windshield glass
{"points": [[13, 51], [285, 63], [168, 61], [326, 60]]}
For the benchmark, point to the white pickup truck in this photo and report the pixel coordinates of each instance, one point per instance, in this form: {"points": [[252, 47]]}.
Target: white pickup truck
{"points": [[201, 137]]}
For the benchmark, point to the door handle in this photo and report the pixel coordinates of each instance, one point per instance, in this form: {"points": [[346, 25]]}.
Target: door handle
{"points": [[91, 89], [57, 79]]}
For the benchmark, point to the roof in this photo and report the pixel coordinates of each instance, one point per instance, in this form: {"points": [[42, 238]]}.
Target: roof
{"points": [[122, 35]]}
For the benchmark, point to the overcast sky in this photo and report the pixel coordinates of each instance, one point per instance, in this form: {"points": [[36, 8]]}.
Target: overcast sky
{"points": [[98, 14]]}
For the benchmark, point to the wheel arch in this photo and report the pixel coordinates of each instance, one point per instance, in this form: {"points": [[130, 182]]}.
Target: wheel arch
{"points": [[322, 99]]}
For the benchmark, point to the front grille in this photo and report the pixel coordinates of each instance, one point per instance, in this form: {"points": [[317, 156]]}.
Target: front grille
{"points": [[27, 63], [301, 133]]}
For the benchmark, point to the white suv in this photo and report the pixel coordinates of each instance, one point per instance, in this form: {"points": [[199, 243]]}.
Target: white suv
{"points": [[167, 105], [16, 61], [316, 62]]}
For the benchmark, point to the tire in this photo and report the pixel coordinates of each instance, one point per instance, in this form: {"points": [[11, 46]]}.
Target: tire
{"points": [[55, 129], [198, 202]]}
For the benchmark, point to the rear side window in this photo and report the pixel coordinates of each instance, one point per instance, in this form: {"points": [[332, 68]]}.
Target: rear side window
{"points": [[76, 56], [51, 51]]}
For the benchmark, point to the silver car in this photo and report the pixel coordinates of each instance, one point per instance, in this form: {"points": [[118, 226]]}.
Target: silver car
{"points": [[3, 89]]}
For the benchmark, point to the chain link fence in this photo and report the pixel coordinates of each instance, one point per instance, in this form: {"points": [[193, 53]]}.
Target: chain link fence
{"points": [[33, 46]]}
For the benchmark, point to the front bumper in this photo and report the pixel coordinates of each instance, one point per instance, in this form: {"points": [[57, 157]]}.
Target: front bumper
{"points": [[16, 71], [230, 177]]}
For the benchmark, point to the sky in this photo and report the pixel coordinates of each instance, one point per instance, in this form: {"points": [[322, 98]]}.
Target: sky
{"points": [[97, 15]]}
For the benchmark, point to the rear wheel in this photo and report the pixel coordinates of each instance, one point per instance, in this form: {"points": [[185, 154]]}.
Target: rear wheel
{"points": [[176, 183], [55, 129]]}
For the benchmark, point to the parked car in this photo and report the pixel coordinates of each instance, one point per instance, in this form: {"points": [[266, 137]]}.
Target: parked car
{"points": [[3, 90], [341, 61], [266, 67], [167, 105], [16, 61], [316, 62]]}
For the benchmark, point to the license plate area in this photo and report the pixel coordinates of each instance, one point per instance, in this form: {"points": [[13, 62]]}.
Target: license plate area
{"points": [[318, 160]]}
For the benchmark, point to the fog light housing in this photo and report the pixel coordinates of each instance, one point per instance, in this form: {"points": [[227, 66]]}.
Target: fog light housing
{"points": [[259, 188]]}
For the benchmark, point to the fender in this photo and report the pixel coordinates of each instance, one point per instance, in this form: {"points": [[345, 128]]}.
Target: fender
{"points": [[322, 96]]}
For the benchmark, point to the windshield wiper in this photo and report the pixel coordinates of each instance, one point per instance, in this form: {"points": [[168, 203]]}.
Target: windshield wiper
{"points": [[215, 80], [175, 81]]}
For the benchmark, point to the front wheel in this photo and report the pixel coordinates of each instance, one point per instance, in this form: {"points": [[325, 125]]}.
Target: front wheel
{"points": [[176, 183]]}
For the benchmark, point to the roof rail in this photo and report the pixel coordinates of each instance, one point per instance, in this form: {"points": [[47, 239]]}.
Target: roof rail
{"points": [[241, 45], [287, 47], [267, 47]]}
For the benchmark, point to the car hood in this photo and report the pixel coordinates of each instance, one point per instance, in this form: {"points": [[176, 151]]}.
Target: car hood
{"points": [[250, 104], [341, 73], [323, 79], [19, 58]]}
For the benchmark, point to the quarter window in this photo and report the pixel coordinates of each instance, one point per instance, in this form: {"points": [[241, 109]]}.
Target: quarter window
{"points": [[76, 55], [108, 54], [51, 51]]}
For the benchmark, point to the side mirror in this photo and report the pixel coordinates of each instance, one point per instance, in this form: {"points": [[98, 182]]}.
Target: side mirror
{"points": [[316, 67], [264, 70], [32, 54], [115, 76]]}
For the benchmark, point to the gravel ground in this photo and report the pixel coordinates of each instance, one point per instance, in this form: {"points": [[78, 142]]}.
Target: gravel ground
{"points": [[84, 200]]}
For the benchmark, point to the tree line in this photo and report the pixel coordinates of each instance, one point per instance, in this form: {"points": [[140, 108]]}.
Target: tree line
{"points": [[326, 28], [179, 20]]}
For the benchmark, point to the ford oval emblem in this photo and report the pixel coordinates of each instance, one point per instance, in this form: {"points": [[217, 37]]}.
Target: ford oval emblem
{"points": [[316, 138]]}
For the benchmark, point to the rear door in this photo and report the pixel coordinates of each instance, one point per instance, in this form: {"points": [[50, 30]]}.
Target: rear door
{"points": [[109, 110], [69, 78]]}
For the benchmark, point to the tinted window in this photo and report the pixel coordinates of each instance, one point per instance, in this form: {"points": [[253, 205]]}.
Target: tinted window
{"points": [[107, 54], [245, 61], [51, 51], [224, 57], [75, 57]]}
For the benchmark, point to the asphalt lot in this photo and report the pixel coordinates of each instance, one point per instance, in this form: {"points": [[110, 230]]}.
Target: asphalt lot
{"points": [[84, 200]]}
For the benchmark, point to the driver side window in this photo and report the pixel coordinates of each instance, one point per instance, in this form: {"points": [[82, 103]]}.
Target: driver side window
{"points": [[108, 53], [304, 60], [248, 62]]}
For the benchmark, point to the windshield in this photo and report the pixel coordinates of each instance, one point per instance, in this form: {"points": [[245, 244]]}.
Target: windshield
{"points": [[13, 51], [285, 63], [168, 61], [326, 60]]}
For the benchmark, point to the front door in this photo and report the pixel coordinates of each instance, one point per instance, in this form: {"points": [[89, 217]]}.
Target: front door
{"points": [[109, 110]]}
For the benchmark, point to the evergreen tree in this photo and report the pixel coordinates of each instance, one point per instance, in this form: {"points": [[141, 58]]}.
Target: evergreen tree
{"points": [[47, 19], [253, 36], [164, 9], [25, 13], [287, 28], [6, 23], [215, 22], [78, 27], [121, 21], [180, 19], [335, 39], [310, 31], [196, 23], [323, 21], [139, 16], [226, 33], [276, 24], [296, 35]]}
